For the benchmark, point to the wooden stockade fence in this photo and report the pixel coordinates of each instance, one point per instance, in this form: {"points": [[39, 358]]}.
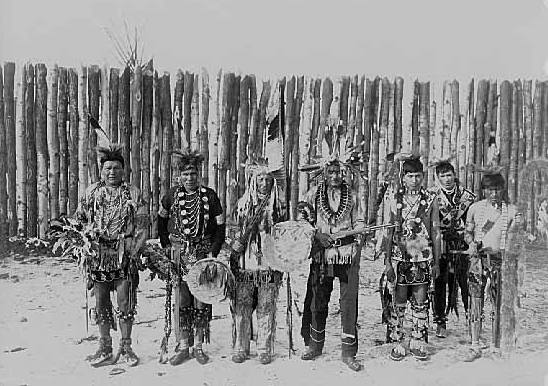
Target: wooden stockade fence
{"points": [[46, 144]]}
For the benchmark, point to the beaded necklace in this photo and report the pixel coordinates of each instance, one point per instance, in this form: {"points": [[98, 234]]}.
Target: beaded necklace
{"points": [[187, 208], [423, 202], [322, 201]]}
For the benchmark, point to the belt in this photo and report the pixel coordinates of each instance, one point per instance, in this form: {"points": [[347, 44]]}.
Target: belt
{"points": [[347, 240]]}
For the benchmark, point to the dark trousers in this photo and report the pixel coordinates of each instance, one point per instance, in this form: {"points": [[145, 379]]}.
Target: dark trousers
{"points": [[453, 270], [318, 297]]}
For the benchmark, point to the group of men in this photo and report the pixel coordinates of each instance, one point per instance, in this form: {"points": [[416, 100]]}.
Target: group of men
{"points": [[436, 237]]}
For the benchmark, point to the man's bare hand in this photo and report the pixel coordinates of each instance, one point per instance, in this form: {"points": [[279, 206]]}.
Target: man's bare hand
{"points": [[324, 239], [389, 272]]}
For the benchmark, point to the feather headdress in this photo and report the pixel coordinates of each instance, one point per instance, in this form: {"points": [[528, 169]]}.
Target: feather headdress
{"points": [[493, 175], [435, 162], [106, 150], [334, 151], [187, 159]]}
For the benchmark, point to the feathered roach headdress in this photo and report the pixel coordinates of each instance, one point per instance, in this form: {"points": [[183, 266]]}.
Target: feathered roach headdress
{"points": [[187, 159], [335, 153], [439, 164], [106, 150], [492, 176]]}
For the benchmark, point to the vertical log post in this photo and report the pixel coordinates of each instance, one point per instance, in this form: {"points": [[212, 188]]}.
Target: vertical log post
{"points": [[41, 111], [94, 74], [148, 106], [137, 109], [224, 151], [32, 165], [295, 156], [62, 117], [305, 128], [74, 159], [188, 88], [178, 137], [9, 120], [124, 119], [373, 181], [481, 110], [505, 125], [3, 168], [528, 128], [156, 144], [243, 134], [327, 99], [204, 118], [424, 129], [195, 113], [314, 144], [471, 154], [53, 142], [21, 151], [167, 131], [263, 104], [114, 100], [398, 106]]}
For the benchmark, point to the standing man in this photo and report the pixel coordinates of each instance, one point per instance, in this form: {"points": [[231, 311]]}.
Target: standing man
{"points": [[257, 285], [487, 225], [191, 225], [454, 201], [118, 214], [412, 256], [333, 201]]}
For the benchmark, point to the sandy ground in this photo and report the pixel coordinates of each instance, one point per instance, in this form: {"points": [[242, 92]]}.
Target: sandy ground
{"points": [[44, 340]]}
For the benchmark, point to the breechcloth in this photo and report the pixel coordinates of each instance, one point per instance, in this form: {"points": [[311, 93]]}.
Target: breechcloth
{"points": [[319, 303], [410, 275], [109, 280], [482, 267], [453, 269], [256, 290]]}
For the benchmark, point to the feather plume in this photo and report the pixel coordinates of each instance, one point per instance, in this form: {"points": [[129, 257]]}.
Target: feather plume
{"points": [[434, 162], [102, 138]]}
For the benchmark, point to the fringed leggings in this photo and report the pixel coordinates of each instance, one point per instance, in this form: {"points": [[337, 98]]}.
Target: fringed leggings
{"points": [[261, 297], [194, 319]]}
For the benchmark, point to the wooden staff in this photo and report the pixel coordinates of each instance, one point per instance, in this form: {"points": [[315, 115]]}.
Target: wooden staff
{"points": [[113, 98], [62, 116], [124, 120], [178, 136], [156, 143], [3, 166], [243, 136], [21, 151], [424, 121], [74, 149], [32, 165], [167, 127], [314, 132], [9, 119], [53, 142], [263, 104], [41, 112], [188, 89], [137, 103], [295, 154], [195, 113], [94, 89], [148, 107]]}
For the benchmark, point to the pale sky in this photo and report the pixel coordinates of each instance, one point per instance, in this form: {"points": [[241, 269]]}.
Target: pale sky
{"points": [[429, 39]]}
